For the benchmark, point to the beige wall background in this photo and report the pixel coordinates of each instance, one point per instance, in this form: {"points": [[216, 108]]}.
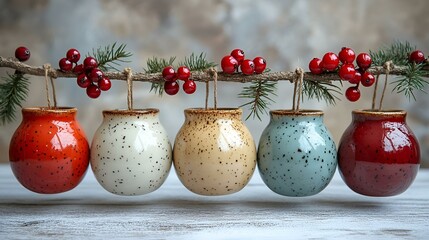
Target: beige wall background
{"points": [[287, 33]]}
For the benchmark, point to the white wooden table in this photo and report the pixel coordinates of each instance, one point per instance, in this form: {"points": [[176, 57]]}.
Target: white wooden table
{"points": [[172, 212]]}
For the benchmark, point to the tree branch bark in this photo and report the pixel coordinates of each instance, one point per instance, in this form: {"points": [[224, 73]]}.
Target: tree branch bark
{"points": [[196, 75]]}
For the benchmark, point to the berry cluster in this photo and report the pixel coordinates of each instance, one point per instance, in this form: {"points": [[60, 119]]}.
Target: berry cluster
{"points": [[417, 57], [22, 54], [88, 74], [230, 63], [171, 85], [343, 63]]}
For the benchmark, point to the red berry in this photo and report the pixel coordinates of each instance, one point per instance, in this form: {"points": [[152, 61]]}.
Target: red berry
{"points": [[353, 94], [247, 67], [78, 69], [65, 65], [364, 61], [104, 84], [347, 55], [357, 78], [367, 79], [73, 55], [238, 54], [171, 87], [417, 57], [93, 91], [90, 63], [260, 64], [95, 75], [22, 54], [330, 61], [229, 64], [169, 74], [347, 72], [183, 73], [83, 81], [189, 86], [315, 66]]}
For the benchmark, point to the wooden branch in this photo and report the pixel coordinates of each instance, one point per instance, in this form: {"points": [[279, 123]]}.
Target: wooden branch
{"points": [[196, 76]]}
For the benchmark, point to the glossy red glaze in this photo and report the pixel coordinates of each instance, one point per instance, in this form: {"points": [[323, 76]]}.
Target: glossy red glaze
{"points": [[378, 154], [49, 152]]}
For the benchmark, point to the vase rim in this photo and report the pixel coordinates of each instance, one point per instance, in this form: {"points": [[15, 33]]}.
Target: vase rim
{"points": [[212, 110], [371, 112], [131, 112], [49, 110], [301, 112]]}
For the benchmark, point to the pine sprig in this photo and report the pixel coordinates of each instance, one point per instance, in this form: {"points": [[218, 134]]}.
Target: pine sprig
{"points": [[397, 53], [193, 62], [156, 65], [110, 56], [411, 81], [197, 62], [321, 91], [13, 91], [260, 93]]}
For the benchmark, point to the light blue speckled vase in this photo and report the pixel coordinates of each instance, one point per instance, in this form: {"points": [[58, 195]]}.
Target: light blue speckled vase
{"points": [[296, 154]]}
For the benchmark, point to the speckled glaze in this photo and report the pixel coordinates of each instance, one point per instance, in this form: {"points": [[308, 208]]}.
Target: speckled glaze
{"points": [[378, 154], [214, 153], [130, 152], [49, 152], [296, 153]]}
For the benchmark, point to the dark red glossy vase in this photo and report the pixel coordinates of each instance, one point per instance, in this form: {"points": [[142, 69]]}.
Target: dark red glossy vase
{"points": [[378, 154]]}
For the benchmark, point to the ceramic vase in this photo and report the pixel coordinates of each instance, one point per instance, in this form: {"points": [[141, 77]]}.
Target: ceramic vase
{"points": [[378, 153], [130, 152], [296, 153], [49, 152], [214, 152]]}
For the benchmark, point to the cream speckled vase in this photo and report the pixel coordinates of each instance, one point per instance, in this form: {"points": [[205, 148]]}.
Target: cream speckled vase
{"points": [[130, 152], [214, 153]]}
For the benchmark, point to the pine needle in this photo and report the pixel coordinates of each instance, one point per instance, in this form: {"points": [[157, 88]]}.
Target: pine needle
{"points": [[260, 93], [412, 80], [111, 56], [156, 65], [321, 91], [397, 53], [13, 91], [193, 62], [197, 62]]}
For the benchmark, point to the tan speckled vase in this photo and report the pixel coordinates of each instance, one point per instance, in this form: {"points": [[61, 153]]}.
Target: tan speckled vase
{"points": [[214, 152]]}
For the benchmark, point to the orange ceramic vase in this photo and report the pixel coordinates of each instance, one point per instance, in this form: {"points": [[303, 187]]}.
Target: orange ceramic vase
{"points": [[49, 152]]}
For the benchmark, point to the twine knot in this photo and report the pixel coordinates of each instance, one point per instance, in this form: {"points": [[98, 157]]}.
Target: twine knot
{"points": [[299, 71], [388, 66], [49, 71]]}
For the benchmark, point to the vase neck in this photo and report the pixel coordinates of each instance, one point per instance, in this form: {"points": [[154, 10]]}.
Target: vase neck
{"points": [[391, 116], [63, 114], [200, 114], [281, 115], [137, 114]]}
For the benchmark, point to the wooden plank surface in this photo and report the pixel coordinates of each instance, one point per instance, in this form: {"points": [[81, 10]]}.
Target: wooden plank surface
{"points": [[172, 212]]}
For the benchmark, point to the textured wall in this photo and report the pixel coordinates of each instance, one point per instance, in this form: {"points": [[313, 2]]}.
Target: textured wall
{"points": [[287, 33]]}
